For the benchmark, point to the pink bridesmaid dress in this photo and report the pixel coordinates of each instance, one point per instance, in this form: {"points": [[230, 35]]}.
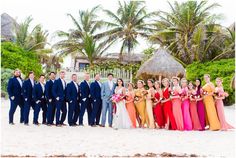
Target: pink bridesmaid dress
{"points": [[201, 109], [185, 110], [194, 113], [220, 111]]}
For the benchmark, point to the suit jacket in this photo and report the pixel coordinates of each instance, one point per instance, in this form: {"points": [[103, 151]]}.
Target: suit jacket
{"points": [[106, 92], [84, 90], [38, 93], [14, 89], [95, 91], [27, 90], [58, 91], [72, 95], [48, 90]]}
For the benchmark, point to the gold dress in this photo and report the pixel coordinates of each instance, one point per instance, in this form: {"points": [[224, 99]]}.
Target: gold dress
{"points": [[140, 105], [149, 106], [210, 108]]}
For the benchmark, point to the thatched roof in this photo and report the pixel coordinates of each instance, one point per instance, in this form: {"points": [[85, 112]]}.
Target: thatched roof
{"points": [[161, 64], [8, 25]]}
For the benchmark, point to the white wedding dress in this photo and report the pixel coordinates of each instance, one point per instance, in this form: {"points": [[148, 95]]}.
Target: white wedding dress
{"points": [[121, 117]]}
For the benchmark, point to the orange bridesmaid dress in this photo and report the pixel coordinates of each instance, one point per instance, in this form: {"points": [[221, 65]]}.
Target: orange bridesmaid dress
{"points": [[210, 108], [131, 108]]}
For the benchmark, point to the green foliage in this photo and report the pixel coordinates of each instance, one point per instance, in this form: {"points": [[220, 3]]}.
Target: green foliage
{"points": [[148, 53], [5, 75], [224, 69], [14, 57]]}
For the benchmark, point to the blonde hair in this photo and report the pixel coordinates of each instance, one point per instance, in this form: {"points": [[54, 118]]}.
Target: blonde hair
{"points": [[207, 75], [184, 80], [218, 78], [175, 77], [141, 81]]}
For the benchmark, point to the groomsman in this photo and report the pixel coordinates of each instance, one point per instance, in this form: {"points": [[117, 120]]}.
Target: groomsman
{"points": [[59, 93], [85, 99], [27, 88], [40, 101], [14, 89], [106, 93], [95, 91], [50, 99], [73, 96]]}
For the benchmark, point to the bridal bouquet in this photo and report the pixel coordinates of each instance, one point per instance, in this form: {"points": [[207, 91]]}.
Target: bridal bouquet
{"points": [[117, 98]]}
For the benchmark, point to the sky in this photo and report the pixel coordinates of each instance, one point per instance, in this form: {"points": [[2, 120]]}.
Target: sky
{"points": [[51, 14]]}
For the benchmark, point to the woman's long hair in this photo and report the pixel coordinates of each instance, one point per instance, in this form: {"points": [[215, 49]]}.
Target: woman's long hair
{"points": [[199, 87]]}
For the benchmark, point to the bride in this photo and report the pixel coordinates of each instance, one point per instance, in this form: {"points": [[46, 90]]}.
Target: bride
{"points": [[121, 117]]}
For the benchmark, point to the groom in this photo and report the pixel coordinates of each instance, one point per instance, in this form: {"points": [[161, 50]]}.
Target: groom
{"points": [[107, 91]]}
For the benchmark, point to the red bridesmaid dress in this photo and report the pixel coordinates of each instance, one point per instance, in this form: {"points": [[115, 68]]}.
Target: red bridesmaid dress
{"points": [[167, 108], [158, 112]]}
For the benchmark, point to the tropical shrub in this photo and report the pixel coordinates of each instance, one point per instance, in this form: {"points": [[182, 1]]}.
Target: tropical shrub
{"points": [[224, 69], [13, 57]]}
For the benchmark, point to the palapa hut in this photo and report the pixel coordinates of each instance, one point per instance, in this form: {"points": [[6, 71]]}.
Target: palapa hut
{"points": [[160, 65]]}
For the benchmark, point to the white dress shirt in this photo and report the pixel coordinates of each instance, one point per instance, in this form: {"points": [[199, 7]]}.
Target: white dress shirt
{"points": [[32, 82], [43, 88], [63, 83], [20, 81], [76, 86], [110, 83]]}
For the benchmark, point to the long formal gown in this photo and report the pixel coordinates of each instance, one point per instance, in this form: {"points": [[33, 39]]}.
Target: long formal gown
{"points": [[208, 100], [220, 111], [130, 108], [158, 112], [194, 115], [185, 110], [121, 117], [167, 108], [149, 106], [141, 106], [201, 110], [177, 111]]}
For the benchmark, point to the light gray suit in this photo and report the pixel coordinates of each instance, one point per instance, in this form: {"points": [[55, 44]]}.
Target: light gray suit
{"points": [[106, 94]]}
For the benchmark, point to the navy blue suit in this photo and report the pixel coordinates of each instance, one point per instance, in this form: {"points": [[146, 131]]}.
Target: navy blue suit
{"points": [[59, 92], [40, 102], [28, 100], [85, 102], [50, 101], [73, 96], [14, 89], [95, 91]]}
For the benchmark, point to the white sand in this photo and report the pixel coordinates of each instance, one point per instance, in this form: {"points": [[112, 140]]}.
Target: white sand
{"points": [[44, 141]]}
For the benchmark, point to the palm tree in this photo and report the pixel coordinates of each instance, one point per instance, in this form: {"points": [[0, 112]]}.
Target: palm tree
{"points": [[35, 39], [128, 23], [84, 39], [188, 30]]}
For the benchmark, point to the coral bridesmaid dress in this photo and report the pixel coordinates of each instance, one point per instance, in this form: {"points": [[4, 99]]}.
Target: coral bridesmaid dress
{"points": [[167, 108], [208, 100], [185, 110], [149, 106], [220, 111], [193, 112], [130, 108], [201, 109], [177, 111], [158, 112]]}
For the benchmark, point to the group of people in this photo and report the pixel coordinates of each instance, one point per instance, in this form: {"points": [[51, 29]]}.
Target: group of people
{"points": [[179, 105]]}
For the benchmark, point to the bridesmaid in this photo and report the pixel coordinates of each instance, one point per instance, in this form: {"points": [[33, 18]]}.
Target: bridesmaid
{"points": [[176, 103], [158, 108], [167, 106], [220, 95], [140, 102], [185, 105], [200, 105], [193, 107], [208, 91], [130, 104], [149, 103]]}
